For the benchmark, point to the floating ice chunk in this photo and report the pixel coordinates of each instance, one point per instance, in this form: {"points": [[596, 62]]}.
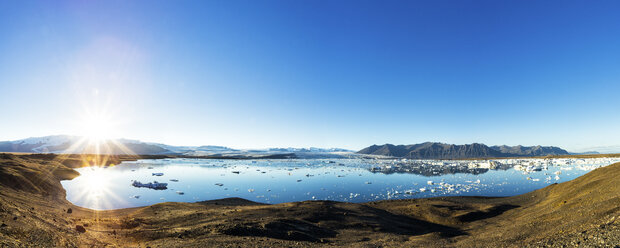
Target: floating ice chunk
{"points": [[422, 189], [351, 195], [250, 190], [153, 185], [429, 182]]}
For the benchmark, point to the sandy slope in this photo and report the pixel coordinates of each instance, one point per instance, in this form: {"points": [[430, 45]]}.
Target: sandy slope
{"points": [[34, 212]]}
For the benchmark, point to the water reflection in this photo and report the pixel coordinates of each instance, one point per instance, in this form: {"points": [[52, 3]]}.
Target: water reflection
{"points": [[432, 170], [443, 167], [277, 181]]}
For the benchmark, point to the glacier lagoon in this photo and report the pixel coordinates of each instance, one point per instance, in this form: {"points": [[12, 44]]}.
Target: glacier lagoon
{"points": [[288, 180]]}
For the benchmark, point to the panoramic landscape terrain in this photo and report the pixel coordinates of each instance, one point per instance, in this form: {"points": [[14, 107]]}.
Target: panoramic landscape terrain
{"points": [[309, 123], [34, 212]]}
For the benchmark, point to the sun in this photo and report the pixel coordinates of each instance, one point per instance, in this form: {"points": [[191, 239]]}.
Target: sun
{"points": [[97, 127], [98, 130]]}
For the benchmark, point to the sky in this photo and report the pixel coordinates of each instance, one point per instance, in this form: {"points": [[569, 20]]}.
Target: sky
{"points": [[348, 74]]}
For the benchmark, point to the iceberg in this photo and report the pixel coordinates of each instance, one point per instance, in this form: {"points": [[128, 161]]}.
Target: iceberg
{"points": [[154, 185]]}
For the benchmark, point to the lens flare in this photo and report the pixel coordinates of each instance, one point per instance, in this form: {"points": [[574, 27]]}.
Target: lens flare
{"points": [[97, 127]]}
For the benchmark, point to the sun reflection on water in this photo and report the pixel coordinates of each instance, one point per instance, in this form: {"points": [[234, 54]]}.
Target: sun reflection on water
{"points": [[96, 187]]}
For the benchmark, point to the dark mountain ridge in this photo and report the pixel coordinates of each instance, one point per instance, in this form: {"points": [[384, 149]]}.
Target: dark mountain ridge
{"points": [[530, 150], [435, 150]]}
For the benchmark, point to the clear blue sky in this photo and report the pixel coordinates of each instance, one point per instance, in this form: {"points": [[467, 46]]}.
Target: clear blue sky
{"points": [[251, 74]]}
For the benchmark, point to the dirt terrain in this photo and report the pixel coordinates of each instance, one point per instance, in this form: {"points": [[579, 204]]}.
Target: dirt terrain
{"points": [[584, 212]]}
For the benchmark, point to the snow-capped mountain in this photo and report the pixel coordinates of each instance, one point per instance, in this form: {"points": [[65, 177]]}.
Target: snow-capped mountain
{"points": [[311, 149], [39, 144], [77, 144]]}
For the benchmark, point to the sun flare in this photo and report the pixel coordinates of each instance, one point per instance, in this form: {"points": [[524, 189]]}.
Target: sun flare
{"points": [[97, 127]]}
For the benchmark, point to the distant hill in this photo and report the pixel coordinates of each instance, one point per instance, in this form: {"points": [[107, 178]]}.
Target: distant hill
{"points": [[311, 149], [585, 153], [434, 150], [530, 150]]}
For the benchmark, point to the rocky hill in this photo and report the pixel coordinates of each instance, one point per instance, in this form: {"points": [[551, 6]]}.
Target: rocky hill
{"points": [[530, 150], [434, 150]]}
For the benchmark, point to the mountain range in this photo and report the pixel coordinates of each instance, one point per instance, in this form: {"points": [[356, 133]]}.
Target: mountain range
{"points": [[79, 145], [434, 150], [427, 150]]}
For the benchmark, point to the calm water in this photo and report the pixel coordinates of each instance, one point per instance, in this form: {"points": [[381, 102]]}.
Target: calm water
{"points": [[277, 181]]}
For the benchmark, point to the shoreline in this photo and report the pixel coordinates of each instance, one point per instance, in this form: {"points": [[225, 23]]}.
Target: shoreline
{"points": [[410, 192]]}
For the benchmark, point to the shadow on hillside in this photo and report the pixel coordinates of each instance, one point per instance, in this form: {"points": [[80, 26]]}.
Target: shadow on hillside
{"points": [[317, 221], [491, 212]]}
